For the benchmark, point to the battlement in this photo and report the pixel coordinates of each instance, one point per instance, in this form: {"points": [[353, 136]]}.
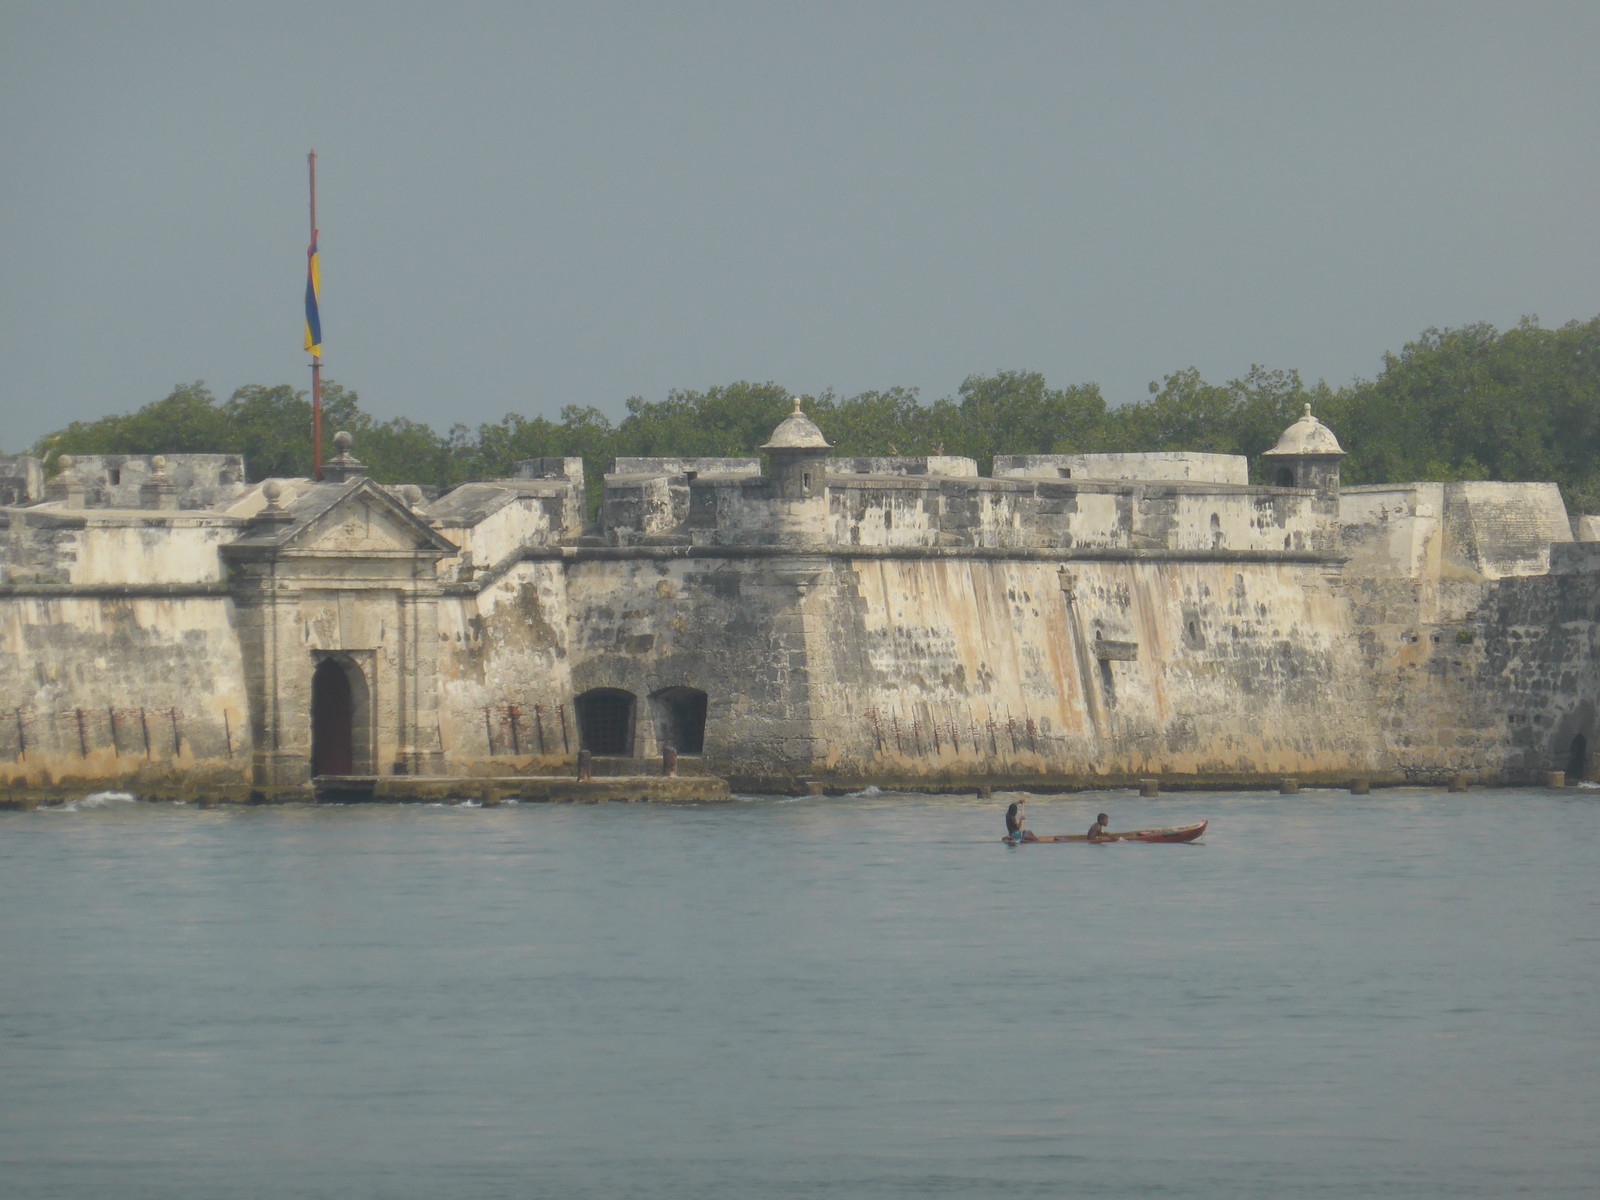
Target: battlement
{"points": [[1166, 466], [191, 481], [942, 502]]}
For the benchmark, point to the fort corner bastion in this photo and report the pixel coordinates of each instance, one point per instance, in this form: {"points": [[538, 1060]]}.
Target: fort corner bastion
{"points": [[799, 619]]}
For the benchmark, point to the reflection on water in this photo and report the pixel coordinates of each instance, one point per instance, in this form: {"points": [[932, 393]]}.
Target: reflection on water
{"points": [[867, 996]]}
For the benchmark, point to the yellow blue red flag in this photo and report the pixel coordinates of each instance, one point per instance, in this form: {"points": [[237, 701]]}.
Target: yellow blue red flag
{"points": [[313, 318]]}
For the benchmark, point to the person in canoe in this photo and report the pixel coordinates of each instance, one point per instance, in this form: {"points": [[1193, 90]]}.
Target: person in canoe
{"points": [[1014, 819], [1098, 831]]}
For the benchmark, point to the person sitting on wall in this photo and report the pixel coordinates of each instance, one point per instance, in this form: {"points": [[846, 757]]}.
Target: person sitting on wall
{"points": [[1014, 819], [1098, 831]]}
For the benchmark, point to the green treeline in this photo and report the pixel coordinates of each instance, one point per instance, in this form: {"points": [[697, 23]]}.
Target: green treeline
{"points": [[1469, 403]]}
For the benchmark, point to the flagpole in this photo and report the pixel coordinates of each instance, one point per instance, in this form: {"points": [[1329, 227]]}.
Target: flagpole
{"points": [[316, 361]]}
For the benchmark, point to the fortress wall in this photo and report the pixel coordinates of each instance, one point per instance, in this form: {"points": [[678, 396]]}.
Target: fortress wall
{"points": [[1501, 529], [202, 480], [1538, 643], [148, 552], [21, 479], [491, 522], [648, 496], [1393, 530], [1482, 664], [1437, 709], [131, 692], [507, 526], [686, 467], [961, 668], [1487, 679], [1152, 466], [734, 628], [942, 465], [735, 510], [642, 505], [505, 684], [51, 546], [1086, 517], [1196, 518], [886, 511]]}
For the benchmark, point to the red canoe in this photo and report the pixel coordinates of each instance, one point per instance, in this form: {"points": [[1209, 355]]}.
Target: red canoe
{"points": [[1177, 833]]}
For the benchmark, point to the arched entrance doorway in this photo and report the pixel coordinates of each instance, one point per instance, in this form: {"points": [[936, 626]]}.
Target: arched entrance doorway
{"points": [[333, 720], [605, 721], [1578, 759], [680, 719]]}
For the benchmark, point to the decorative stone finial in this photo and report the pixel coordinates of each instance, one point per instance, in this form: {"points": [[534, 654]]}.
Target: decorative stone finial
{"points": [[344, 466], [158, 491], [65, 489], [273, 513]]}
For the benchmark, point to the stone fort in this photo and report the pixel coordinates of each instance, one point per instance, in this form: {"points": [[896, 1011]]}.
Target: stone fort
{"points": [[807, 620]]}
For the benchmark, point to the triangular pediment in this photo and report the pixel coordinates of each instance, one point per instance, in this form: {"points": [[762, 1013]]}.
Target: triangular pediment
{"points": [[350, 521], [359, 528], [367, 520]]}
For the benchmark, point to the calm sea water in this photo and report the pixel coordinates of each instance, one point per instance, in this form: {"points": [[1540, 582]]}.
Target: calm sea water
{"points": [[858, 997]]}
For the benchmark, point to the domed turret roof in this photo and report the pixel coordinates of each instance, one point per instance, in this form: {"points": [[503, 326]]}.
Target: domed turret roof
{"points": [[797, 432], [1307, 436]]}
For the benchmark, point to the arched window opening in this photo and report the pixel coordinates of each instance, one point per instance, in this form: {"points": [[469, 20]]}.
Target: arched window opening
{"points": [[1284, 477], [332, 720], [680, 715], [1578, 760], [1216, 532], [605, 721]]}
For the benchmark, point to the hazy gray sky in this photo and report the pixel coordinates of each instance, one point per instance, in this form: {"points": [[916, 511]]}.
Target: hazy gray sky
{"points": [[528, 205]]}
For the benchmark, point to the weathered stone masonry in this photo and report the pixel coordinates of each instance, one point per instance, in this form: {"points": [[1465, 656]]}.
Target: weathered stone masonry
{"points": [[1073, 620]]}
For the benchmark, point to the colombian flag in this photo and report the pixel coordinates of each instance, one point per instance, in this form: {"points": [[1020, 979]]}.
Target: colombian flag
{"points": [[313, 319]]}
